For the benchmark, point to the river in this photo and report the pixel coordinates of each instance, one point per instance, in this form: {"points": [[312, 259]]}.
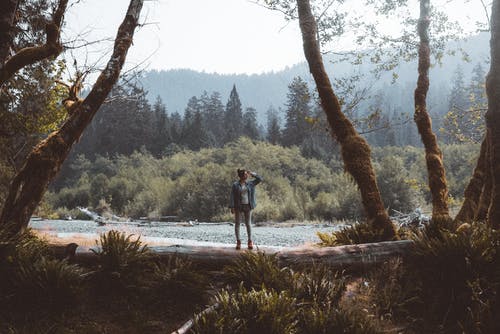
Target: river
{"points": [[85, 232]]}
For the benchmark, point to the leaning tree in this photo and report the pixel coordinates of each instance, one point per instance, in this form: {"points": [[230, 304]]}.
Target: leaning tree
{"points": [[46, 158], [354, 148]]}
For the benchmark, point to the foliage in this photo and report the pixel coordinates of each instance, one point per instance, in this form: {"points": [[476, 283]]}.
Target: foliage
{"points": [[178, 279], [258, 270], [464, 121], [196, 185], [319, 285], [320, 320], [449, 283], [311, 299], [121, 260], [390, 291], [47, 283], [253, 311], [359, 233]]}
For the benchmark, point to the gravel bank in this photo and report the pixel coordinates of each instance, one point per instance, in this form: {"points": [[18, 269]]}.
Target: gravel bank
{"points": [[184, 233]]}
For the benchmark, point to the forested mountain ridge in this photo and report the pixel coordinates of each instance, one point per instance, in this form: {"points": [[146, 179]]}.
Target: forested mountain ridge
{"points": [[260, 91]]}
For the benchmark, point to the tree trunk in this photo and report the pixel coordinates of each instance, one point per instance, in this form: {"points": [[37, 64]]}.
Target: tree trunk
{"points": [[484, 202], [493, 115], [354, 257], [474, 189], [46, 159], [7, 16], [433, 155], [354, 148]]}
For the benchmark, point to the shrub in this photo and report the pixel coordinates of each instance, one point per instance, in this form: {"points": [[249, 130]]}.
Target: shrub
{"points": [[320, 320], [47, 284], [395, 186], [178, 279], [263, 311], [359, 233], [319, 285], [122, 261], [454, 280], [390, 290], [255, 270]]}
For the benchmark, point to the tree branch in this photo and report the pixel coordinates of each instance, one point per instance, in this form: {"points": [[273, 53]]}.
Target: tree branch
{"points": [[31, 55]]}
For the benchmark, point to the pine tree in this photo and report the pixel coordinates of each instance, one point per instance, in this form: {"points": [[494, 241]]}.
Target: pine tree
{"points": [[213, 118], [161, 135], [250, 125], [297, 112], [187, 135], [233, 117], [273, 126], [455, 122]]}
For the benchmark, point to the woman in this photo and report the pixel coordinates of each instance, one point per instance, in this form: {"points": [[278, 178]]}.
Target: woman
{"points": [[242, 203]]}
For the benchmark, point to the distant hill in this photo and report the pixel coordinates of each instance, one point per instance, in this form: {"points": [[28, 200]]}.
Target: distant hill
{"points": [[261, 91]]}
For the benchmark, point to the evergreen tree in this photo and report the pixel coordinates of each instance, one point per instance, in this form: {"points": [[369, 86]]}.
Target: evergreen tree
{"points": [[123, 125], [467, 105], [273, 126], [176, 128], [161, 135], [233, 118], [250, 126], [187, 133], [478, 103], [213, 118], [298, 110]]}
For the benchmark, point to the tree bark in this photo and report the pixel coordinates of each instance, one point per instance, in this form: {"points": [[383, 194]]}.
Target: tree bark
{"points": [[474, 189], [30, 55], [46, 159], [433, 155], [354, 148], [484, 204], [493, 115], [354, 257], [7, 17]]}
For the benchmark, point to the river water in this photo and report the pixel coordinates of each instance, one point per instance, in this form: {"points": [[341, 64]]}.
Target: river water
{"points": [[85, 232]]}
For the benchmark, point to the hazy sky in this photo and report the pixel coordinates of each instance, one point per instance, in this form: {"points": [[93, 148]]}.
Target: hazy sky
{"points": [[223, 36]]}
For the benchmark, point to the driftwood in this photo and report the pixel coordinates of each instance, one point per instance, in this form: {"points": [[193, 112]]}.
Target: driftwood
{"points": [[348, 257], [186, 327]]}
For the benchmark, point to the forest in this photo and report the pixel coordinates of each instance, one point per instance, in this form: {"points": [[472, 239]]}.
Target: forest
{"points": [[302, 165], [109, 148]]}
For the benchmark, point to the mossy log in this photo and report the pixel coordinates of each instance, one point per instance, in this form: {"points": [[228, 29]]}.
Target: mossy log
{"points": [[353, 257]]}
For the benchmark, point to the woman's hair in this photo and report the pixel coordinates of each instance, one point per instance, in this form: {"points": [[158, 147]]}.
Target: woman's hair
{"points": [[241, 171]]}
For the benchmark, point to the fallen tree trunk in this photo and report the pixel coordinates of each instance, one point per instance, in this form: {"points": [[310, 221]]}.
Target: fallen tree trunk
{"points": [[347, 257]]}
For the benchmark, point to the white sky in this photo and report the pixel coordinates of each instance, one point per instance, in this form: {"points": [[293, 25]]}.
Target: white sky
{"points": [[223, 36]]}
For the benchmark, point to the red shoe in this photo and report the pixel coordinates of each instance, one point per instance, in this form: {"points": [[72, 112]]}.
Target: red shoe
{"points": [[238, 244], [250, 244]]}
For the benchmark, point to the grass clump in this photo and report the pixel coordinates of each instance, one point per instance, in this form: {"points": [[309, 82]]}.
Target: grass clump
{"points": [[319, 285], [257, 270], [359, 233], [271, 299], [122, 262], [250, 311], [177, 279], [448, 284], [48, 284]]}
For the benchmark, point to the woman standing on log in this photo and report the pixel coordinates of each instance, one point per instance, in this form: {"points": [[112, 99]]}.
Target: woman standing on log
{"points": [[242, 202]]}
